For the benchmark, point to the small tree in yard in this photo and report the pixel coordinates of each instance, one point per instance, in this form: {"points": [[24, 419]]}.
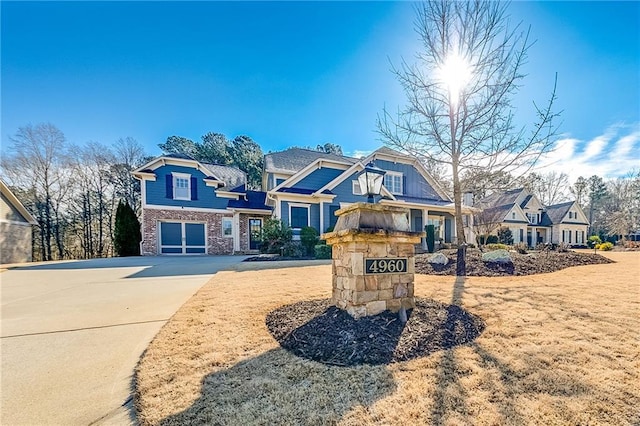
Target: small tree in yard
{"points": [[275, 234], [459, 92], [309, 239], [126, 234], [505, 236]]}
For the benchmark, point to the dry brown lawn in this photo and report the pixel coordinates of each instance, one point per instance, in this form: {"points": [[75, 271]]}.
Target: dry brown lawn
{"points": [[559, 348]]}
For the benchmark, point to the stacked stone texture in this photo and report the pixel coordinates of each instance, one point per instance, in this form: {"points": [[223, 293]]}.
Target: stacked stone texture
{"points": [[361, 295]]}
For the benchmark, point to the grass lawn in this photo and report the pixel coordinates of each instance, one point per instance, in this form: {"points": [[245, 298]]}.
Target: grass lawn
{"points": [[558, 348]]}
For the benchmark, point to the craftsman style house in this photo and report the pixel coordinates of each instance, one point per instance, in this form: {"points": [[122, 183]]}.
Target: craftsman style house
{"points": [[189, 207], [531, 222]]}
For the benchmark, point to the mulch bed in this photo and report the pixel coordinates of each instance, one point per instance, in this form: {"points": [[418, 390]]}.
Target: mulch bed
{"points": [[523, 264], [318, 331]]}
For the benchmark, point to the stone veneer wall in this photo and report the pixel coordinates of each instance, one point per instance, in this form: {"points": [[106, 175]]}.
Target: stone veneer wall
{"points": [[363, 295], [217, 243], [15, 243]]}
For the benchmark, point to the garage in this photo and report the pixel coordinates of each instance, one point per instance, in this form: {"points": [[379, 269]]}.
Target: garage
{"points": [[182, 238]]}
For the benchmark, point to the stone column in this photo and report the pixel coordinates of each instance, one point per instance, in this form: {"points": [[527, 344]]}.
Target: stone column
{"points": [[373, 258]]}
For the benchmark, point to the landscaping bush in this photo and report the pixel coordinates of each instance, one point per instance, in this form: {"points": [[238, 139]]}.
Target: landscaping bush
{"points": [[309, 239], [631, 244], [322, 251], [605, 246], [562, 248], [521, 248], [505, 236], [275, 234], [491, 239], [293, 249], [497, 246], [594, 240], [431, 237]]}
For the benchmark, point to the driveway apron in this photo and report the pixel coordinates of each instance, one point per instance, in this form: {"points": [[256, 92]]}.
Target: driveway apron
{"points": [[72, 332]]}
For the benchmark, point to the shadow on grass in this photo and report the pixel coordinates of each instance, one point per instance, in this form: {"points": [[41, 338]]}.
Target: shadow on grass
{"points": [[279, 388], [510, 383]]}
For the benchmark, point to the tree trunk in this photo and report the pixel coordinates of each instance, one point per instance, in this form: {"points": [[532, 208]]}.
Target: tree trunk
{"points": [[461, 267]]}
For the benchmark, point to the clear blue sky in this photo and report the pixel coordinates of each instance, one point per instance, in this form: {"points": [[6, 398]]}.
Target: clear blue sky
{"points": [[295, 73]]}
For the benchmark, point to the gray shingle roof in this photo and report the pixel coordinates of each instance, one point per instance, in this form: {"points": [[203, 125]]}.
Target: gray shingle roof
{"points": [[501, 198], [555, 213], [231, 176], [494, 214], [295, 159]]}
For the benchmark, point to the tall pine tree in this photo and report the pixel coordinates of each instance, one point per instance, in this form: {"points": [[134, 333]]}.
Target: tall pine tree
{"points": [[126, 235]]}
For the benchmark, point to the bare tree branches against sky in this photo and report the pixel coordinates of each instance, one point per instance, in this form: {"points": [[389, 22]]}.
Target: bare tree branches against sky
{"points": [[290, 73]]}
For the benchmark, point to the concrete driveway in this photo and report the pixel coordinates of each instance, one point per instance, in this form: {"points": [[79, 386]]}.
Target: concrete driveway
{"points": [[72, 332]]}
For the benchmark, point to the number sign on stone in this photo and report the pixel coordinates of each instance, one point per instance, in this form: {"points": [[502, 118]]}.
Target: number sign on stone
{"points": [[385, 265]]}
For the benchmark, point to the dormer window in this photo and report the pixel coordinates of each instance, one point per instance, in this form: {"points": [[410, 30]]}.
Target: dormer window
{"points": [[393, 182], [181, 186]]}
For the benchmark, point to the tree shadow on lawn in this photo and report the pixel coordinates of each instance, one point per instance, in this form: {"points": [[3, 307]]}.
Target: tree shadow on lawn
{"points": [[532, 381], [280, 388]]}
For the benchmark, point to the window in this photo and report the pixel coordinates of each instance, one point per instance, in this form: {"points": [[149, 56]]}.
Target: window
{"points": [[355, 187], [298, 216], [570, 215], [513, 215], [181, 186], [393, 182], [227, 227]]}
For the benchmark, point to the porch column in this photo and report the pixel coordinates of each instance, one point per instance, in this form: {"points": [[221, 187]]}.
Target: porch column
{"points": [[425, 220], [321, 230], [236, 232]]}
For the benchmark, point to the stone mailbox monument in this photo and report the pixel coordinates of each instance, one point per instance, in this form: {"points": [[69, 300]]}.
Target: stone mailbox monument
{"points": [[372, 259]]}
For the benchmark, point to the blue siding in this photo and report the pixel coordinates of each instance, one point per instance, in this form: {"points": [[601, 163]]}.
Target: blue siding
{"points": [[156, 190], [318, 178], [415, 184], [314, 214], [344, 191]]}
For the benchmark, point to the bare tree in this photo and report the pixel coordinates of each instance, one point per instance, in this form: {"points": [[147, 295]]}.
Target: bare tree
{"points": [[486, 221], [550, 188], [459, 94], [35, 162], [128, 155]]}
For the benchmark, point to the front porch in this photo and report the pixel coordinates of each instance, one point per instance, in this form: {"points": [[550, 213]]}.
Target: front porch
{"points": [[538, 235]]}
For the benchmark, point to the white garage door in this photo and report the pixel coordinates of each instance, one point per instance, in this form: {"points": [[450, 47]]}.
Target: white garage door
{"points": [[182, 238]]}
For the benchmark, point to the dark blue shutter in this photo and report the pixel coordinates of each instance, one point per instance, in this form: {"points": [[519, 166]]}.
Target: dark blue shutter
{"points": [[404, 184], [169, 181], [194, 188]]}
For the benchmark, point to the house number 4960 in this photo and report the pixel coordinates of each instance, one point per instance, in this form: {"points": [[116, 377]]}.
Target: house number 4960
{"points": [[385, 266]]}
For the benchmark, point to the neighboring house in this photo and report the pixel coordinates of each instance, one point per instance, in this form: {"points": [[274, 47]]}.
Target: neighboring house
{"points": [[531, 222], [306, 187], [189, 207], [15, 228]]}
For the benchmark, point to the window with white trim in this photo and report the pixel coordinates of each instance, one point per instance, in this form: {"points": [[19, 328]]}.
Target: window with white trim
{"points": [[393, 182], [355, 187], [227, 227], [298, 216], [181, 186]]}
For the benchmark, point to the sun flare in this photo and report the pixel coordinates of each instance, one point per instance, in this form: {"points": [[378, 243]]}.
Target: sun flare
{"points": [[455, 73]]}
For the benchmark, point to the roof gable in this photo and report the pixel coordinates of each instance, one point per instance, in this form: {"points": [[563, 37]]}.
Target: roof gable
{"points": [[558, 213], [228, 176], [388, 154], [14, 203]]}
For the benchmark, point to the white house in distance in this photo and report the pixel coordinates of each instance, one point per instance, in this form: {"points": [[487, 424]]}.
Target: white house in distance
{"points": [[15, 228], [531, 222]]}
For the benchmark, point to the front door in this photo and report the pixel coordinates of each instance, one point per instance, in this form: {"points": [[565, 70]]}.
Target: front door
{"points": [[255, 231], [182, 238]]}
